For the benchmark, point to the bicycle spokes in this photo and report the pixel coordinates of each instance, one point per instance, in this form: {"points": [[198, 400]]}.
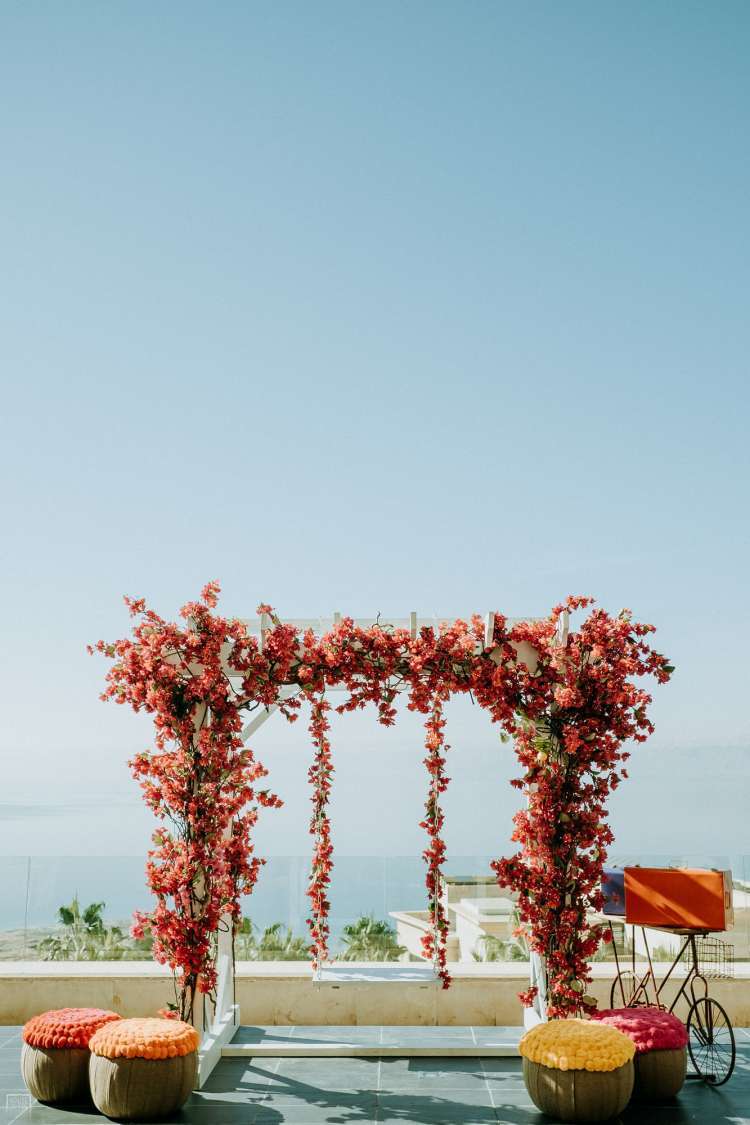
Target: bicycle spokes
{"points": [[711, 1041]]}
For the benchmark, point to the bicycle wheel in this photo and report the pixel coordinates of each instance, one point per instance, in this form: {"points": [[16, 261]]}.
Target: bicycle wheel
{"points": [[711, 1041], [624, 988]]}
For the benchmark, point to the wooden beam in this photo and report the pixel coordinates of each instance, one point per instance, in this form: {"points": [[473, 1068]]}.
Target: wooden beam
{"points": [[254, 624]]}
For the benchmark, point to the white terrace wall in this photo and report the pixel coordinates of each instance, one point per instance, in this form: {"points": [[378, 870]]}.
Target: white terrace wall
{"points": [[283, 993]]}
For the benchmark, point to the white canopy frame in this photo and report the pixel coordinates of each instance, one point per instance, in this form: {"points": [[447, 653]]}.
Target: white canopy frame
{"points": [[221, 1020]]}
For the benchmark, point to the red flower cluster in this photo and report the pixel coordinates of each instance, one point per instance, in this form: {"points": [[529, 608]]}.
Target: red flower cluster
{"points": [[569, 707], [319, 774], [434, 943], [200, 777], [575, 711]]}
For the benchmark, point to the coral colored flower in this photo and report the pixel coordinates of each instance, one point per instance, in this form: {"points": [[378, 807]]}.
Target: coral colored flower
{"points": [[570, 712]]}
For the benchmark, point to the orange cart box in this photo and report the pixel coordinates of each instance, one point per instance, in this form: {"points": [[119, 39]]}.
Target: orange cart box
{"points": [[679, 898]]}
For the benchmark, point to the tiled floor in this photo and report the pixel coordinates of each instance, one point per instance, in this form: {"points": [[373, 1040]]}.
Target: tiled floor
{"points": [[420, 1091], [378, 1040]]}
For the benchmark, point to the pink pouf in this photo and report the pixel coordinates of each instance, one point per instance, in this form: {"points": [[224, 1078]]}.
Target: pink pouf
{"points": [[660, 1049]]}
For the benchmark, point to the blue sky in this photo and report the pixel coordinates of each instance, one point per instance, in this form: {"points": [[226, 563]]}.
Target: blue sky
{"points": [[369, 307]]}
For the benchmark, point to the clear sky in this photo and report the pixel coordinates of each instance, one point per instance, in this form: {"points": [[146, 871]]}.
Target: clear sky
{"points": [[369, 307]]}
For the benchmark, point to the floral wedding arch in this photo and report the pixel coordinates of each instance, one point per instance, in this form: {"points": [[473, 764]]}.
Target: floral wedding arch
{"points": [[568, 699]]}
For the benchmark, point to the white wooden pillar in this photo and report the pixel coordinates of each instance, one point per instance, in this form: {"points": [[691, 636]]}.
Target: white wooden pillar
{"points": [[216, 1022], [537, 1013]]}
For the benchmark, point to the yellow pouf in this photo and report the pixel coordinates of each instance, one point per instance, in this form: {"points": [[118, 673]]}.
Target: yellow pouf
{"points": [[575, 1070], [143, 1071]]}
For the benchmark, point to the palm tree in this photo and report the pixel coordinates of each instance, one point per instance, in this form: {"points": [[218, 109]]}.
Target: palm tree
{"points": [[244, 941], [491, 948], [276, 943], [368, 939], [84, 937]]}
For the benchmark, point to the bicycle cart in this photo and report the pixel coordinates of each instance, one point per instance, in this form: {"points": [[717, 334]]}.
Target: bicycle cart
{"points": [[711, 1044], [703, 958]]}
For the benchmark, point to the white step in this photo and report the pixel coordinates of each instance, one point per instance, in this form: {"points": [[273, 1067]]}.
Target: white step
{"points": [[364, 1042]]}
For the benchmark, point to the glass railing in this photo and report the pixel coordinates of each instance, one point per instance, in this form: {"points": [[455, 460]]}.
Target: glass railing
{"points": [[79, 908]]}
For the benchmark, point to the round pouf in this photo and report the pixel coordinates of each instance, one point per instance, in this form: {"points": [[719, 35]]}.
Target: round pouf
{"points": [[575, 1070], [143, 1069], [660, 1041], [55, 1053]]}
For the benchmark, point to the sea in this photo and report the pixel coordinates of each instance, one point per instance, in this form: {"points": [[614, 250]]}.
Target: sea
{"points": [[685, 806]]}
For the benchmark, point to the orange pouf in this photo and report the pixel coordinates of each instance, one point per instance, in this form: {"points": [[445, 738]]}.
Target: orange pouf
{"points": [[143, 1069], [55, 1055]]}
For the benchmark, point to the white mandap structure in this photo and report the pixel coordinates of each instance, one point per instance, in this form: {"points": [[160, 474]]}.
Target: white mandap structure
{"points": [[220, 1021]]}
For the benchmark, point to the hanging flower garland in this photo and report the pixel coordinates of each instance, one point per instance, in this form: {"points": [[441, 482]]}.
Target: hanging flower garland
{"points": [[570, 708], [319, 775], [435, 942]]}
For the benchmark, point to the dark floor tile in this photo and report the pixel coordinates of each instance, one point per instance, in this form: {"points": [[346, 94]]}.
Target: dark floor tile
{"points": [[415, 1109], [344, 1073], [349, 1114], [247, 1096], [317, 1093], [364, 1034], [14, 1095], [7, 1115], [219, 1113], [240, 1075], [340, 1101], [684, 1115], [507, 1087], [435, 1101], [300, 1094], [435, 1063], [262, 1034], [501, 1066], [432, 1073], [456, 1091], [53, 1115], [525, 1114]]}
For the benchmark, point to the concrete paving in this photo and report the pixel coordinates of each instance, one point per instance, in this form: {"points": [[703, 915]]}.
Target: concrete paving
{"points": [[383, 1090]]}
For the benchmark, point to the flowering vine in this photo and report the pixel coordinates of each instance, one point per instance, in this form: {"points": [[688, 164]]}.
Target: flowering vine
{"points": [[570, 708], [434, 943], [575, 711], [200, 780], [320, 774]]}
